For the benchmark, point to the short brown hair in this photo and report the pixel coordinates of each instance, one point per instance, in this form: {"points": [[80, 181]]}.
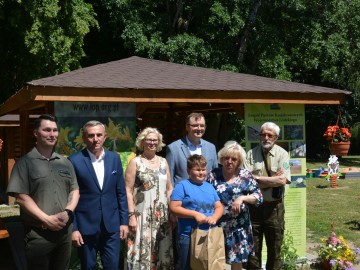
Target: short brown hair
{"points": [[37, 122], [196, 160], [194, 115]]}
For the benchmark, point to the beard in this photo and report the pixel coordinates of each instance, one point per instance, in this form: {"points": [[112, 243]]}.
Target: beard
{"points": [[267, 145]]}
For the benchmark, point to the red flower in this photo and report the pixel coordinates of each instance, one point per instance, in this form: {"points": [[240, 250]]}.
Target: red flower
{"points": [[157, 215], [337, 134]]}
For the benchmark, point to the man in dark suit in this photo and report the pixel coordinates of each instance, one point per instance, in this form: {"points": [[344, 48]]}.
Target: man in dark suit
{"points": [[178, 151], [101, 217]]}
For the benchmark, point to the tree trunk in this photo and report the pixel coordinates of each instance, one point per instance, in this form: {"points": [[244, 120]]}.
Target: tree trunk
{"points": [[247, 29]]}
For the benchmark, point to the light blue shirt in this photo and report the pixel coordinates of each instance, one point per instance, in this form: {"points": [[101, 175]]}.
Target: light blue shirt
{"points": [[194, 149]]}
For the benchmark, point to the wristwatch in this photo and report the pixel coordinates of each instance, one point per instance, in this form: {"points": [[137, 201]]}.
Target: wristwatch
{"points": [[70, 214]]}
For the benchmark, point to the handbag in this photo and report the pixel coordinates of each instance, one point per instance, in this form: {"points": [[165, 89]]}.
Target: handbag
{"points": [[207, 249]]}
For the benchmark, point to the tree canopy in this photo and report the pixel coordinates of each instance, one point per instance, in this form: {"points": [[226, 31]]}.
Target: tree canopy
{"points": [[314, 42], [41, 38]]}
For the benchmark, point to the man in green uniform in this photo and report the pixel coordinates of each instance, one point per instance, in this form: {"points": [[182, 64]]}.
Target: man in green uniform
{"points": [[44, 185], [269, 164]]}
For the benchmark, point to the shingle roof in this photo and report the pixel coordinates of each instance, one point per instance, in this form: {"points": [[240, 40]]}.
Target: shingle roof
{"points": [[141, 73], [137, 79]]}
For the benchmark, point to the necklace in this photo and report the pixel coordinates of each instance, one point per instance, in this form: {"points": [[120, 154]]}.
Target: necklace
{"points": [[151, 160]]}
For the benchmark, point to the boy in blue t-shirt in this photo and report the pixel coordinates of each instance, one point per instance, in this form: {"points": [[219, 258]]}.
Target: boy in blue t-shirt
{"points": [[196, 204]]}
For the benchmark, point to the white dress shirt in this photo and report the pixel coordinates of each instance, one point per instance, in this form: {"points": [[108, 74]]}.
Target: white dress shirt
{"points": [[99, 167]]}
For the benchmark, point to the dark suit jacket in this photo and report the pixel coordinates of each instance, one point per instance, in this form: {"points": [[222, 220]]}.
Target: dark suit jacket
{"points": [[109, 203], [178, 152]]}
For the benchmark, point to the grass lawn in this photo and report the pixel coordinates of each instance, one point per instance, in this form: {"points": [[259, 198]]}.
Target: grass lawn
{"points": [[338, 206]]}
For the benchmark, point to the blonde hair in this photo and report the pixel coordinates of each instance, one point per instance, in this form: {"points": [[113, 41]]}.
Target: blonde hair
{"points": [[140, 138], [232, 148]]}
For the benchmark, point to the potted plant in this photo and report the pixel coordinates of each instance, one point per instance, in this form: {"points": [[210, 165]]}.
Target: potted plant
{"points": [[338, 140], [335, 254]]}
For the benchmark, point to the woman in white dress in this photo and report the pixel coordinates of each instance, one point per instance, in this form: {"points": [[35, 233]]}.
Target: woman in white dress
{"points": [[148, 189]]}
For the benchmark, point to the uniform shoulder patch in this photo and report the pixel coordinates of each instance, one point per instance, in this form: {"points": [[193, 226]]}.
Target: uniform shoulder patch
{"points": [[286, 166]]}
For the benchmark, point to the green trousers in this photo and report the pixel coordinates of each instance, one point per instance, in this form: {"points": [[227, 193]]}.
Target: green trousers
{"points": [[267, 220], [47, 249]]}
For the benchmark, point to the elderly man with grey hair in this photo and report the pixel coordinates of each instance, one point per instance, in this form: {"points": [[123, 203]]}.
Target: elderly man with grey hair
{"points": [[269, 164]]}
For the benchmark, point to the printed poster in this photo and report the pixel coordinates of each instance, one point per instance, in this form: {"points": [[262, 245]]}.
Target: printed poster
{"points": [[118, 118]]}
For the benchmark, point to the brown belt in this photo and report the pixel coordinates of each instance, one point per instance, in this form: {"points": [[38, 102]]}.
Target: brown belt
{"points": [[271, 202]]}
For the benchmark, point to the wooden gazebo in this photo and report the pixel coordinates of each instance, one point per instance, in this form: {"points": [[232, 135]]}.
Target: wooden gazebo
{"points": [[163, 92]]}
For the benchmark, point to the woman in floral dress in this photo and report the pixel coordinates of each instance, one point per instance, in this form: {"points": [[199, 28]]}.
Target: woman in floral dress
{"points": [[236, 188], [148, 189]]}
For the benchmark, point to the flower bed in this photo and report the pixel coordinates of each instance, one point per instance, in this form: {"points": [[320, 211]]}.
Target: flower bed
{"points": [[336, 253]]}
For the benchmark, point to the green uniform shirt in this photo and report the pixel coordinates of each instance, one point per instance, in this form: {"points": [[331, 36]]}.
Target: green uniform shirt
{"points": [[47, 181], [279, 159]]}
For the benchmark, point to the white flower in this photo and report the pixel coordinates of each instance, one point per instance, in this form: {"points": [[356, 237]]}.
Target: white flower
{"points": [[232, 255], [221, 188]]}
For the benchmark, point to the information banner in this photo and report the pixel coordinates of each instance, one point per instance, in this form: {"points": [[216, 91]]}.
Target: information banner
{"points": [[291, 119], [118, 118]]}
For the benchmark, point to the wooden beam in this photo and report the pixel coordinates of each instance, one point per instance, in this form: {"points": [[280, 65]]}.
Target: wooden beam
{"points": [[23, 96], [31, 97], [193, 100], [175, 95]]}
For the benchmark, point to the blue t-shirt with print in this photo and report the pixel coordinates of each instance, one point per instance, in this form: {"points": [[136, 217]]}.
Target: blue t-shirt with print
{"points": [[198, 197]]}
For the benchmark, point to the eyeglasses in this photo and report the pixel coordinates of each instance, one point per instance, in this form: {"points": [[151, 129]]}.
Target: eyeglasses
{"points": [[151, 140], [197, 125], [270, 136]]}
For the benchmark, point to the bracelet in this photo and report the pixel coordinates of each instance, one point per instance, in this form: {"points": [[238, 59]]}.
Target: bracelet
{"points": [[131, 214]]}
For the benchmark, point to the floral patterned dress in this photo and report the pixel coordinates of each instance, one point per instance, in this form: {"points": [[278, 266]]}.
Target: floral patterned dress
{"points": [[151, 246], [239, 243]]}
